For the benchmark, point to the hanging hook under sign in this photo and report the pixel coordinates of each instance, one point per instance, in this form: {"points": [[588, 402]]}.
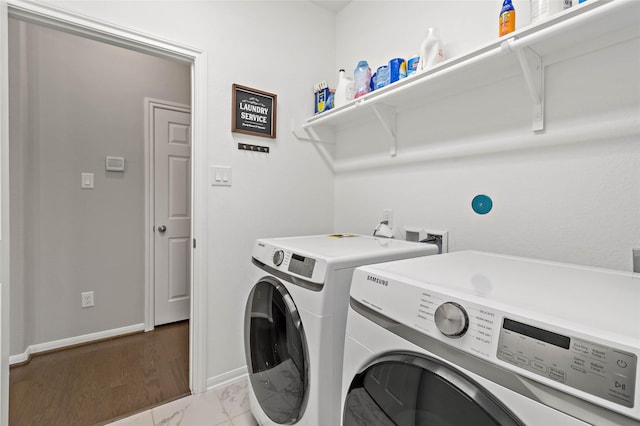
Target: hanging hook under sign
{"points": [[255, 148]]}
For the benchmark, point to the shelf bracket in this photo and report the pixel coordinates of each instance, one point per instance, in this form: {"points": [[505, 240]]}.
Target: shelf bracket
{"points": [[310, 134], [387, 117], [533, 73]]}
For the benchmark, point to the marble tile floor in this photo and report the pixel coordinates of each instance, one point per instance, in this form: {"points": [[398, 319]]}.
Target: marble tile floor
{"points": [[227, 405]]}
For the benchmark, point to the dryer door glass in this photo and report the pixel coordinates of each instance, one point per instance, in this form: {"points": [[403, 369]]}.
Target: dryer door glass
{"points": [[411, 390], [276, 351]]}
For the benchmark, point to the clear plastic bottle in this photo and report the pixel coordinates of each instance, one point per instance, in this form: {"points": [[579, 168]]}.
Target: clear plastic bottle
{"points": [[542, 9], [345, 89], [430, 50], [362, 79]]}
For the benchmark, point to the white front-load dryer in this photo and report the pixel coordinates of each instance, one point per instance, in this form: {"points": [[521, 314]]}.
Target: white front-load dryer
{"points": [[295, 320], [472, 338]]}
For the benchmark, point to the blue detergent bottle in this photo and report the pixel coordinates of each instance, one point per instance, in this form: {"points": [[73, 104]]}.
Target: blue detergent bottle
{"points": [[362, 79]]}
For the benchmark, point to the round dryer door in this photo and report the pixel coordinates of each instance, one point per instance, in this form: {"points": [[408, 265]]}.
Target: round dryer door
{"points": [[276, 351], [416, 390]]}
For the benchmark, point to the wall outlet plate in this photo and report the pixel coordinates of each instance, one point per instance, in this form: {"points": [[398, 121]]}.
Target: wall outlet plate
{"points": [[87, 299], [86, 180], [387, 215]]}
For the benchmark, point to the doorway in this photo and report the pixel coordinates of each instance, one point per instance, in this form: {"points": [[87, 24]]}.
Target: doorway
{"points": [[117, 36], [77, 186]]}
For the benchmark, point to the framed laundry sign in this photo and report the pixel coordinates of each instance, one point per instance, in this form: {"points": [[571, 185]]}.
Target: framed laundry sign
{"points": [[254, 112]]}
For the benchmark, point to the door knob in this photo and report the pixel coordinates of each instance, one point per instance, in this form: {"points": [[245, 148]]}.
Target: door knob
{"points": [[162, 228]]}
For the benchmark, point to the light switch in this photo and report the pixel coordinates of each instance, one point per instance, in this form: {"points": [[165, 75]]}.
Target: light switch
{"points": [[86, 181], [220, 176]]}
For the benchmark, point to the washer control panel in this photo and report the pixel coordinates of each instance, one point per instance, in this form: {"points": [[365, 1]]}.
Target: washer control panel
{"points": [[596, 369], [553, 354], [470, 327]]}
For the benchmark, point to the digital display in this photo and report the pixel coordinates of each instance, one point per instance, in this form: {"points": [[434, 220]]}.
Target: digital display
{"points": [[591, 367], [301, 265], [537, 333]]}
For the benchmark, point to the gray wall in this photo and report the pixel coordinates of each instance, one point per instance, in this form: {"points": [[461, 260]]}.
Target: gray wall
{"points": [[72, 102]]}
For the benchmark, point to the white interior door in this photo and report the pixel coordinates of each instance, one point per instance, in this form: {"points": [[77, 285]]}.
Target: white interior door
{"points": [[172, 214]]}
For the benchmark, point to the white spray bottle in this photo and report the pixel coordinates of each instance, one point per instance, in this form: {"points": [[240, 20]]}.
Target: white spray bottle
{"points": [[430, 50]]}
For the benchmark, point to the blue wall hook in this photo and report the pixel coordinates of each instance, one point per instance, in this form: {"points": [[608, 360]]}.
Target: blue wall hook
{"points": [[481, 204]]}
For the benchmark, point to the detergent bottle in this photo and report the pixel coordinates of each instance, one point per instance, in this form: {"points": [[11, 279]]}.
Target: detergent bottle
{"points": [[362, 79], [345, 90], [430, 50]]}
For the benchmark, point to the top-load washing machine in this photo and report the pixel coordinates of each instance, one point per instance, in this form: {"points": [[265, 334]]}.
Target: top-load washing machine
{"points": [[295, 319], [472, 338]]}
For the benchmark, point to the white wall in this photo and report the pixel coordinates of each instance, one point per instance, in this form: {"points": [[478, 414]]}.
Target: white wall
{"points": [[571, 197], [73, 102], [280, 47], [380, 30]]}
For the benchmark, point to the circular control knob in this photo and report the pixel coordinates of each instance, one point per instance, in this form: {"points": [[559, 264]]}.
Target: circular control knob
{"points": [[451, 319], [278, 257]]}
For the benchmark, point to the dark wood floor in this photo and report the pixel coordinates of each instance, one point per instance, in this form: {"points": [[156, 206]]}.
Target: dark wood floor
{"points": [[92, 384]]}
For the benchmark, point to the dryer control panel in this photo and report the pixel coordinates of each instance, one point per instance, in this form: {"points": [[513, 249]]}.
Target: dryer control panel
{"points": [[298, 264], [301, 265], [602, 371], [279, 261]]}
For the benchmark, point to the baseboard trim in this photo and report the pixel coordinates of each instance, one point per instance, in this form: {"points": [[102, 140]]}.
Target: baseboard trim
{"points": [[72, 341], [222, 380]]}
